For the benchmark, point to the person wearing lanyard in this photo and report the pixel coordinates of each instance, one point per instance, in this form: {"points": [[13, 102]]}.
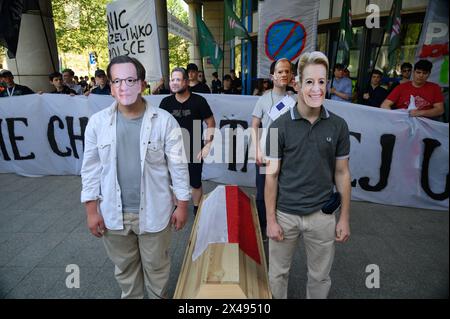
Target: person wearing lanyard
{"points": [[281, 72], [12, 89]]}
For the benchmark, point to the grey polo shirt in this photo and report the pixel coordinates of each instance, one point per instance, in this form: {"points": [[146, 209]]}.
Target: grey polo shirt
{"points": [[308, 154]]}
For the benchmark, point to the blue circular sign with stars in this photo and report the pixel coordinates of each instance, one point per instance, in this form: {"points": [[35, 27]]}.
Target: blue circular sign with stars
{"points": [[285, 39]]}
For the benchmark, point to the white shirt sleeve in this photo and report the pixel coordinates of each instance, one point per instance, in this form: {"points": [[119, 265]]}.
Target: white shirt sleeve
{"points": [[91, 167]]}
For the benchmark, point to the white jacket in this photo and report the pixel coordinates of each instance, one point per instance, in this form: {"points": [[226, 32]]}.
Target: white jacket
{"points": [[163, 168]]}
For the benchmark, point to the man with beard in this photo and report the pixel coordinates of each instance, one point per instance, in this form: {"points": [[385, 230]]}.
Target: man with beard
{"points": [[190, 110], [281, 73]]}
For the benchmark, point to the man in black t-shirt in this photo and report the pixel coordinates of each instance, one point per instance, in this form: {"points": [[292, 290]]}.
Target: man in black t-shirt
{"points": [[103, 87], [236, 83], [190, 110], [216, 84], [227, 85], [194, 84], [375, 94]]}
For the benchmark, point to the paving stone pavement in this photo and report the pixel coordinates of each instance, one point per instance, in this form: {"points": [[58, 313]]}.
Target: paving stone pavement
{"points": [[43, 230]]}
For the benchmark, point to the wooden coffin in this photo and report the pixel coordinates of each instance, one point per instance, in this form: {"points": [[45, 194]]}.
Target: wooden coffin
{"points": [[224, 270]]}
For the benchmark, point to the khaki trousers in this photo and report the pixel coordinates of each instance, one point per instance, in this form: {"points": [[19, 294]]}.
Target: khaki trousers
{"points": [[318, 232], [139, 259]]}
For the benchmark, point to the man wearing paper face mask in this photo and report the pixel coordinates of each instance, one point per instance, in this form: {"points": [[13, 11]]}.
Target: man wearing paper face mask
{"points": [[131, 169], [262, 117], [308, 150]]}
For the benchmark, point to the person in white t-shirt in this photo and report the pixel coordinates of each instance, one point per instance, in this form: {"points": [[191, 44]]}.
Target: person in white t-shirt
{"points": [[281, 73]]}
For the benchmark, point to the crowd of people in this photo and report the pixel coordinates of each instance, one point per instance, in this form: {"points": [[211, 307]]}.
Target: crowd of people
{"points": [[428, 98], [417, 95], [65, 82], [197, 82], [135, 188]]}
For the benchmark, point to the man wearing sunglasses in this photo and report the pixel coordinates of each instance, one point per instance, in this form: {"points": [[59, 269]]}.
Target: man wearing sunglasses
{"points": [[405, 72], [131, 171], [406, 69]]}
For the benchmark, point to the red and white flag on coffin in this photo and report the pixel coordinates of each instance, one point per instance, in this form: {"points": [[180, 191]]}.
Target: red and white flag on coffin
{"points": [[226, 217]]}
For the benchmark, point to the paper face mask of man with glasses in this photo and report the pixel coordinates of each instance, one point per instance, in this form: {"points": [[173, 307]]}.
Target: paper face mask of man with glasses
{"points": [[131, 175], [124, 88]]}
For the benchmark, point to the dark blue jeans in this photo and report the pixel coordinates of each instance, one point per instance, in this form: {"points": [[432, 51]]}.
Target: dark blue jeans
{"points": [[260, 203]]}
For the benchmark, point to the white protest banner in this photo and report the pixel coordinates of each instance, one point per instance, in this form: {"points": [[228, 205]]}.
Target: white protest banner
{"points": [[286, 29], [231, 161], [395, 159], [133, 31], [433, 42]]}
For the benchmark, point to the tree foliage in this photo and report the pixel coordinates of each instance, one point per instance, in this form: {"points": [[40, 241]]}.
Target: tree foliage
{"points": [[178, 47], [81, 27], [91, 32], [175, 8]]}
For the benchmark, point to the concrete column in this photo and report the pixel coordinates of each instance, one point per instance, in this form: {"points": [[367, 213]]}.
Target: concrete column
{"points": [[161, 18], [194, 49], [37, 53]]}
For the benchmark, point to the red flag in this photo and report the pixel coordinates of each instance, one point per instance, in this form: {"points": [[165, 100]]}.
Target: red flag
{"points": [[226, 217]]}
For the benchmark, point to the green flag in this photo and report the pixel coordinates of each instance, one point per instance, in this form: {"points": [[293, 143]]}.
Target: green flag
{"points": [[443, 75], [233, 25], [345, 31], [208, 46], [393, 29]]}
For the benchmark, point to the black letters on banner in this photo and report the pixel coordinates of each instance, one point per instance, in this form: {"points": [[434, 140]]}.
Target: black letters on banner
{"points": [[51, 136], [387, 142], [430, 145], [114, 21], [13, 138], [358, 138], [134, 47], [233, 125], [72, 136], [2, 144], [124, 39]]}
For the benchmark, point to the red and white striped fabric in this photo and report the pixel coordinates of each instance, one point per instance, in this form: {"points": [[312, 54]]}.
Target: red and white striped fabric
{"points": [[226, 217]]}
